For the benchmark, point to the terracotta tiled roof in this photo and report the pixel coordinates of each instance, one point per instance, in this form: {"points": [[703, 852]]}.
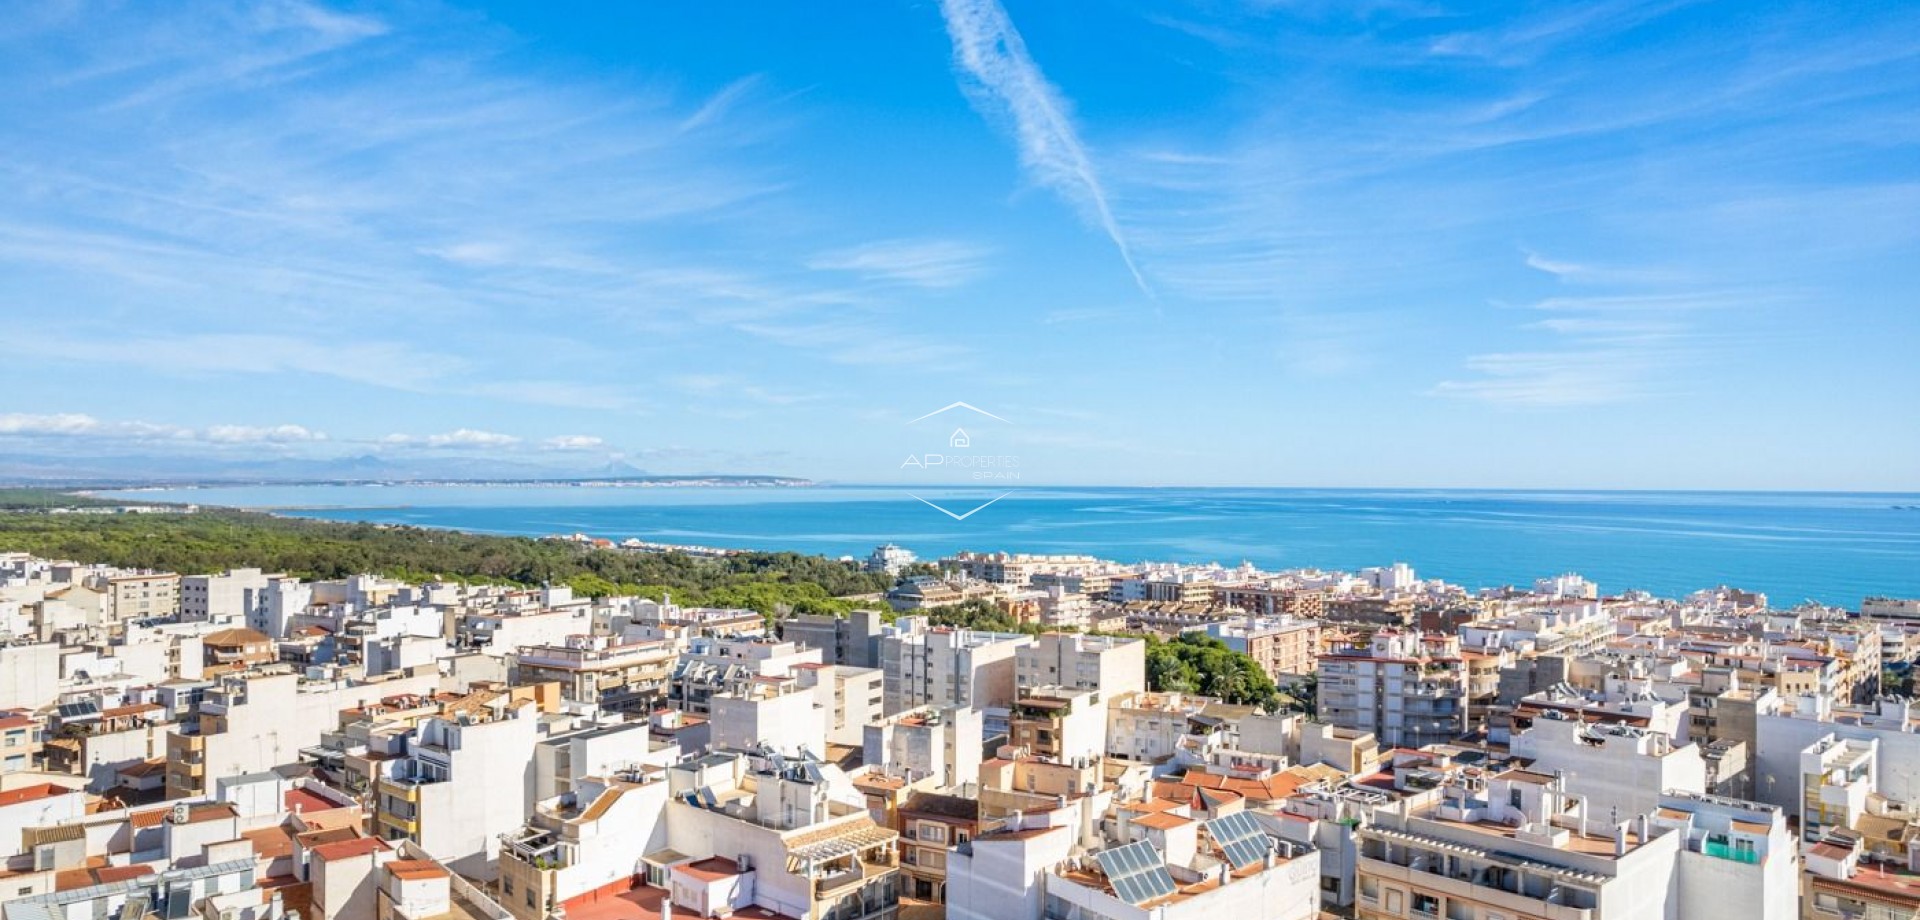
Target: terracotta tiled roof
{"points": [[32, 793], [711, 869], [348, 849], [416, 869]]}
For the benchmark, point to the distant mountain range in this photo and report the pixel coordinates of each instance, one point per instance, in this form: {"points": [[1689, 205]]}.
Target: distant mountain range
{"points": [[144, 470]]}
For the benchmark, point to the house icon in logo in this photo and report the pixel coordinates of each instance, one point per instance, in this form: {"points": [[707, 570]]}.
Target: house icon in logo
{"points": [[959, 438]]}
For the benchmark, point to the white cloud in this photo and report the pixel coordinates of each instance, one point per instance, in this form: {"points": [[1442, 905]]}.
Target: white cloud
{"points": [[1009, 84], [58, 425], [458, 438], [469, 437], [1554, 379], [574, 442], [1620, 346], [271, 434], [923, 263], [77, 425]]}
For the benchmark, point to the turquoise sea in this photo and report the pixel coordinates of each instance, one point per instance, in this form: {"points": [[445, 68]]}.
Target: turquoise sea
{"points": [[1831, 547]]}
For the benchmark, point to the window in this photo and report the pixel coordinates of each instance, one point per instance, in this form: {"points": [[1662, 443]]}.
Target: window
{"points": [[1425, 905], [530, 897], [506, 885]]}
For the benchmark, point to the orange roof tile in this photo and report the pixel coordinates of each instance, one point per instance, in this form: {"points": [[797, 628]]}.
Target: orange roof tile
{"points": [[348, 849], [32, 793]]}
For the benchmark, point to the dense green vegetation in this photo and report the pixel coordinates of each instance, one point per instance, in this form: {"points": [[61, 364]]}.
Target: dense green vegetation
{"points": [[37, 499], [975, 613], [1195, 663], [217, 539]]}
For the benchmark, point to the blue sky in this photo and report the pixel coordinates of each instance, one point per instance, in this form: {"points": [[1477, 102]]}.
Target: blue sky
{"points": [[1612, 244]]}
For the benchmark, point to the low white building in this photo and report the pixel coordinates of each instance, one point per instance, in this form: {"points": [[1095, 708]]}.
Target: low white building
{"points": [[773, 712], [1621, 769], [941, 743]]}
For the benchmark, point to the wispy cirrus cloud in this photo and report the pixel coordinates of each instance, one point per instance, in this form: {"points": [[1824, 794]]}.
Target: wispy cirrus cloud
{"points": [[921, 263], [1629, 343], [1007, 85], [386, 176], [389, 365], [860, 343]]}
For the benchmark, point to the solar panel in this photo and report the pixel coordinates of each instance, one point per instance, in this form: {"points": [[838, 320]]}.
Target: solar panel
{"points": [[1240, 838], [1136, 872]]}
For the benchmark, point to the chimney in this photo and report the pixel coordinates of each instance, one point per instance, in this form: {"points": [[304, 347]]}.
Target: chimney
{"points": [[1620, 840]]}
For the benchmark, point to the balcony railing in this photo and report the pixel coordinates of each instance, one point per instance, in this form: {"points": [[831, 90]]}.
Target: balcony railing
{"points": [[1723, 851], [861, 871]]}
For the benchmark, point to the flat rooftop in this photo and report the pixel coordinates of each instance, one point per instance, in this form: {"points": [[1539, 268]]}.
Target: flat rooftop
{"points": [[644, 903]]}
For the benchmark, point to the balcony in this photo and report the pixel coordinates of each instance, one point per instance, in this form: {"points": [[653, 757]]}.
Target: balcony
{"points": [[406, 788], [1525, 888], [859, 873], [1724, 851], [536, 848]]}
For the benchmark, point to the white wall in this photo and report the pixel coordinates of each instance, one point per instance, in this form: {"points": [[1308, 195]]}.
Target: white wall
{"points": [[29, 675], [612, 847], [1781, 738], [787, 722], [1001, 880], [37, 813], [1615, 775]]}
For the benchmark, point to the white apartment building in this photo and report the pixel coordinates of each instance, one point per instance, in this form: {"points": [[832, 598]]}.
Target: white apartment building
{"points": [[853, 698], [1016, 569], [1620, 769], [29, 674], [792, 837], [1522, 846], [1181, 867], [710, 665], [464, 782], [1002, 874], [1566, 585], [1062, 724], [227, 599], [1150, 727], [561, 760], [597, 670], [1837, 775], [1406, 690], [774, 713], [1111, 665], [584, 842], [278, 604], [1736, 859], [255, 722], [944, 743], [1783, 735], [949, 667]]}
